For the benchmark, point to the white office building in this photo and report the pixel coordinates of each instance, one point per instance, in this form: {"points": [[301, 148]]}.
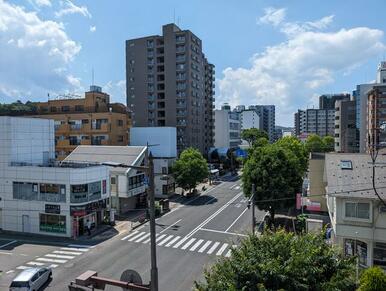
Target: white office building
{"points": [[249, 119], [163, 147], [39, 195], [227, 128]]}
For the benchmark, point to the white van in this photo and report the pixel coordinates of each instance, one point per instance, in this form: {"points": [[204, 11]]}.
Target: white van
{"points": [[31, 279]]}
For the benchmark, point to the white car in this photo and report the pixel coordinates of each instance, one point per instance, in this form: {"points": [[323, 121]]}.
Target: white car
{"points": [[31, 279]]}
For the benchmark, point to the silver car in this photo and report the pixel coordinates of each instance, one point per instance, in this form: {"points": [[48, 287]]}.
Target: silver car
{"points": [[31, 279]]}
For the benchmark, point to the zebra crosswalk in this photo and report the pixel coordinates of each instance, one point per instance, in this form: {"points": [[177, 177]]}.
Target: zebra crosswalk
{"points": [[57, 257], [183, 243]]}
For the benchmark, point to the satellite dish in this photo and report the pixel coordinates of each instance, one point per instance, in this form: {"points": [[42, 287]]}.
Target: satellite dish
{"points": [[131, 276]]}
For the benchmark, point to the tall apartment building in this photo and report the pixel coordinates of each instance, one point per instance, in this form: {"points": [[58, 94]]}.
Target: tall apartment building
{"points": [[315, 121], [249, 119], [381, 73], [267, 119], [171, 83], [327, 101], [346, 133], [376, 112], [92, 120], [228, 128]]}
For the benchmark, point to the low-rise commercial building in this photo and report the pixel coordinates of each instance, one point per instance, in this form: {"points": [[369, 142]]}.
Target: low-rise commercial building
{"points": [[39, 195], [358, 217], [163, 147], [128, 189]]}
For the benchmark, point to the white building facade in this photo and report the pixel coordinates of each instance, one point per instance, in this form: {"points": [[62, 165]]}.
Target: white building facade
{"points": [[227, 128], [163, 147], [39, 195], [358, 217], [249, 119]]}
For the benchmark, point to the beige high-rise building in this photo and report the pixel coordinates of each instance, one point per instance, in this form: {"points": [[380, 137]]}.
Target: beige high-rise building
{"points": [[171, 83], [92, 120]]}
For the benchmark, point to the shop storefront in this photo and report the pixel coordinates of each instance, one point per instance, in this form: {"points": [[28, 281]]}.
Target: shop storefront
{"points": [[51, 221]]}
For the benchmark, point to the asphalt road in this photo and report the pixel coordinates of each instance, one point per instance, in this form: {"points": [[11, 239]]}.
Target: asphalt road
{"points": [[189, 239]]}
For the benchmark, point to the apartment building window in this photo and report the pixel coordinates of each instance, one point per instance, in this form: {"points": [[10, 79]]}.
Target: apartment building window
{"points": [[79, 193], [120, 138], [25, 191], [136, 181], [379, 256], [356, 248], [52, 193], [79, 108], [53, 109], [94, 191], [113, 181], [120, 122], [150, 43], [357, 210], [65, 108]]}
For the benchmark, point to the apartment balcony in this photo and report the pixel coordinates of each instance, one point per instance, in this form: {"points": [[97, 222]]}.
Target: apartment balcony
{"points": [[181, 105], [104, 127], [100, 142], [63, 143], [85, 142], [62, 128], [181, 114]]}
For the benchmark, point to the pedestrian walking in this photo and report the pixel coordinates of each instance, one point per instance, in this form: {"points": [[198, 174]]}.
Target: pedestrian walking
{"points": [[88, 227]]}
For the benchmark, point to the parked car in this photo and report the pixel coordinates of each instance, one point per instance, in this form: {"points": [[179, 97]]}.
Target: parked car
{"points": [[31, 279]]}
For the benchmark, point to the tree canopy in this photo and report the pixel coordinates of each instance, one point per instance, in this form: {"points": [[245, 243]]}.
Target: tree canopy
{"points": [[315, 143], [252, 135], [277, 174], [372, 279], [190, 169], [281, 261], [298, 149]]}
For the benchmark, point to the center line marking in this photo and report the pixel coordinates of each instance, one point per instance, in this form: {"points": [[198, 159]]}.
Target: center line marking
{"points": [[236, 219], [170, 226]]}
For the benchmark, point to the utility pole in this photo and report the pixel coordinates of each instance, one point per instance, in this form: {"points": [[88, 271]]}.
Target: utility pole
{"points": [[253, 208], [153, 250]]}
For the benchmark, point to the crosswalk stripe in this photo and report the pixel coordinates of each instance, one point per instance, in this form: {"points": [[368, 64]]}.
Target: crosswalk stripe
{"points": [[35, 264], [53, 266], [228, 254], [203, 248], [51, 260], [180, 242], [23, 267], [222, 249], [82, 246], [59, 256], [68, 253], [148, 240], [166, 240], [172, 241], [160, 237], [75, 249], [137, 236], [129, 235], [142, 238], [188, 244], [214, 246], [193, 248]]}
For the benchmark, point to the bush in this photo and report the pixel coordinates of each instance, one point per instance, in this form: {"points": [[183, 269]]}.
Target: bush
{"points": [[373, 279]]}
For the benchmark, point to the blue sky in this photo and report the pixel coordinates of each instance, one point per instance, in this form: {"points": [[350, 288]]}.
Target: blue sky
{"points": [[266, 52]]}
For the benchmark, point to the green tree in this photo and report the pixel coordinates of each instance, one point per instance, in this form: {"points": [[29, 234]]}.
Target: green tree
{"points": [[314, 143], [251, 135], [328, 143], [190, 169], [298, 149], [373, 279], [284, 261], [275, 171]]}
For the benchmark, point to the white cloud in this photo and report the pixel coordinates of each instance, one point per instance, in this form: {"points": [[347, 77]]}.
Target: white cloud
{"points": [[43, 2], [293, 28], [70, 8], [290, 73], [92, 28], [35, 54], [117, 91], [273, 16]]}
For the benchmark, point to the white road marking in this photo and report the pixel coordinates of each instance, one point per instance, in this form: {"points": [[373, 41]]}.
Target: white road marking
{"points": [[203, 248], [59, 256], [129, 235], [82, 246], [170, 226], [237, 187], [51, 260], [188, 244], [172, 241], [149, 239], [228, 254], [142, 238], [193, 248], [53, 266], [4, 253], [233, 186], [75, 249], [67, 253], [137, 236], [224, 232], [7, 244], [165, 240], [160, 237], [222, 249], [233, 223], [10, 271], [180, 242], [211, 250], [206, 221], [35, 264], [23, 267]]}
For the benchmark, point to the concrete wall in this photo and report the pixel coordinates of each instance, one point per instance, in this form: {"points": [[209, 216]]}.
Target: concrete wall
{"points": [[317, 185]]}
